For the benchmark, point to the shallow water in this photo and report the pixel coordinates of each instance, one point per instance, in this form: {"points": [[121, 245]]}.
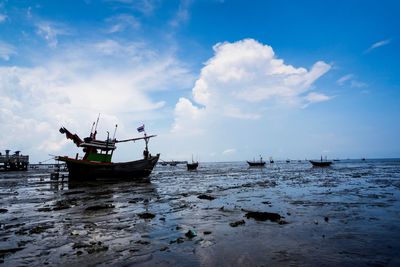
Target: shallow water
{"points": [[344, 215]]}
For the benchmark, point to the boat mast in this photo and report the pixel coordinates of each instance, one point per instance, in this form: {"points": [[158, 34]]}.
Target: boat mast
{"points": [[116, 125], [97, 123], [91, 130]]}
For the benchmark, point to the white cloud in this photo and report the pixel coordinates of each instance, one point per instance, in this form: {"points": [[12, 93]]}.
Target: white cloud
{"points": [[351, 80], [146, 7], [182, 15], [72, 88], [2, 18], [341, 81], [315, 98], [50, 32], [378, 44], [242, 79], [122, 22], [357, 84], [6, 50], [229, 151]]}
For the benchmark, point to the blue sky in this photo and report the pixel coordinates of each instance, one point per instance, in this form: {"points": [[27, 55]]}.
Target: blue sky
{"points": [[223, 80]]}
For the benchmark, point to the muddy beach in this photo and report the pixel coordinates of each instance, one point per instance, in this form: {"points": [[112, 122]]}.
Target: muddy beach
{"points": [[224, 214]]}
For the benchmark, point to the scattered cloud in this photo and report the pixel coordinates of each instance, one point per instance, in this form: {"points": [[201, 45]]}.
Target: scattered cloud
{"points": [[122, 23], [351, 80], [315, 98], [240, 81], [145, 7], [6, 50], [2, 18], [229, 151], [357, 84], [342, 80], [378, 44], [50, 32], [182, 15]]}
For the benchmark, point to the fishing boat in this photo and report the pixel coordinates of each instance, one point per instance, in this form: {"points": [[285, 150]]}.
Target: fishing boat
{"points": [[192, 166], [271, 160], [96, 163], [254, 163], [321, 163]]}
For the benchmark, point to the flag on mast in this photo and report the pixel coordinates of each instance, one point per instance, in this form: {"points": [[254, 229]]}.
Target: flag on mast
{"points": [[140, 128]]}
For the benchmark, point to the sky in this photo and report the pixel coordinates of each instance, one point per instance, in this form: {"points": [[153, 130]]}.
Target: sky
{"points": [[222, 80]]}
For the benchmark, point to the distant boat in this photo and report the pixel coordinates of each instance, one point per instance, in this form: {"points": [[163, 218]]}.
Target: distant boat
{"points": [[192, 166], [288, 161], [271, 160], [254, 163], [321, 163], [363, 159], [173, 163]]}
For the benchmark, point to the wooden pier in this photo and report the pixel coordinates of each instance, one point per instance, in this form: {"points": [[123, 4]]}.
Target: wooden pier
{"points": [[14, 162]]}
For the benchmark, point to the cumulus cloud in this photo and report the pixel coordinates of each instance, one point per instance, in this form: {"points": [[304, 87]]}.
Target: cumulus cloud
{"points": [[378, 44], [6, 50], [242, 79], [73, 87]]}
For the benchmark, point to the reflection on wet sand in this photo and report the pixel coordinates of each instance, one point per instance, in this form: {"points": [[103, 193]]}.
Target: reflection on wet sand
{"points": [[223, 214]]}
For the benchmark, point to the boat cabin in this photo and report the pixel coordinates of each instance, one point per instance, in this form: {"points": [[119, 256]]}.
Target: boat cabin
{"points": [[96, 150]]}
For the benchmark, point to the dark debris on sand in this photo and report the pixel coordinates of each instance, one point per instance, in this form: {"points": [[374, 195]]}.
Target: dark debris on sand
{"points": [[264, 216], [237, 223], [146, 215], [3, 210], [204, 196], [100, 207]]}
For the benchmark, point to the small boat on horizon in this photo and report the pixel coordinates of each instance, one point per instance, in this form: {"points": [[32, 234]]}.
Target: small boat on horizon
{"points": [[321, 163], [271, 160], [254, 163], [193, 165]]}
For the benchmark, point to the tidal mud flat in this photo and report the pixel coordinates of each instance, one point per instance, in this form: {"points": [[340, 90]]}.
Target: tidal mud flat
{"points": [[223, 214]]}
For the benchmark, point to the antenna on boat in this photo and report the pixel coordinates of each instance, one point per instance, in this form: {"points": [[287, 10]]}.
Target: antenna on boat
{"points": [[116, 125], [91, 130], [97, 122]]}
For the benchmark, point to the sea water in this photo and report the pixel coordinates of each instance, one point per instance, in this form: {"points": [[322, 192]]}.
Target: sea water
{"points": [[344, 215]]}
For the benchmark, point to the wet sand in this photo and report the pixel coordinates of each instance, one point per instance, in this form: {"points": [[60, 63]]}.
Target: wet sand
{"points": [[345, 215]]}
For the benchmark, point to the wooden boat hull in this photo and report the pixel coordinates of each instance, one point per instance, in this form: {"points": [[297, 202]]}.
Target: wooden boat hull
{"points": [[256, 164], [321, 163], [83, 170], [192, 166]]}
